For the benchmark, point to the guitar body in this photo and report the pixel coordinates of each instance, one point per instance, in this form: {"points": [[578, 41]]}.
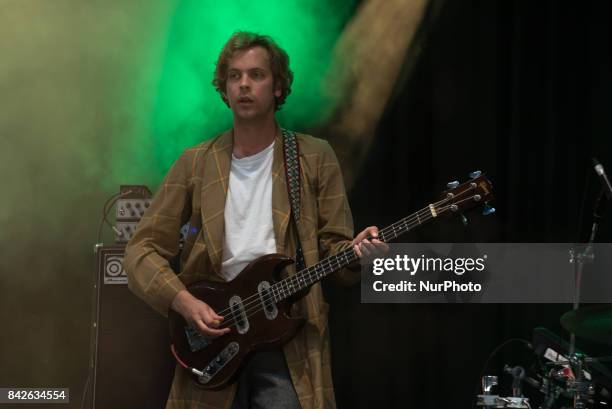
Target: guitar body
{"points": [[259, 322]]}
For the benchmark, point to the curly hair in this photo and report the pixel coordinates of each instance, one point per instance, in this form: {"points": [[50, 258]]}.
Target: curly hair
{"points": [[279, 63]]}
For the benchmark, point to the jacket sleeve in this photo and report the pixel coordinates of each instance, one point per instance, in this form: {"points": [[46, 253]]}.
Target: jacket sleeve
{"points": [[335, 219], [156, 240]]}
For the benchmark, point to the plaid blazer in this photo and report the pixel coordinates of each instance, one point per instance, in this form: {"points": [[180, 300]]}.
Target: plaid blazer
{"points": [[194, 190]]}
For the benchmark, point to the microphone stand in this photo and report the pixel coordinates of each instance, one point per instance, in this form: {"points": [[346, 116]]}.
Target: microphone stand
{"points": [[580, 385], [579, 259]]}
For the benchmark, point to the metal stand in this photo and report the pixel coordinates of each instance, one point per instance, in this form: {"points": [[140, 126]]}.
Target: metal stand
{"points": [[577, 385], [488, 400]]}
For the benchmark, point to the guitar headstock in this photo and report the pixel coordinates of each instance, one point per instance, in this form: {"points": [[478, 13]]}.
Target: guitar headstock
{"points": [[458, 198]]}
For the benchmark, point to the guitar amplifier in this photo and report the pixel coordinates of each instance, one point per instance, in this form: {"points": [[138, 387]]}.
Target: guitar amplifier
{"points": [[131, 365]]}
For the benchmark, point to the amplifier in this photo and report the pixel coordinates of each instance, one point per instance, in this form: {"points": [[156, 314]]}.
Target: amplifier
{"points": [[134, 201], [131, 364], [127, 230]]}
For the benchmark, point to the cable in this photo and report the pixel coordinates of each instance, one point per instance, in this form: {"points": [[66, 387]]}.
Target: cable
{"points": [[486, 364], [105, 209], [179, 360], [103, 219], [85, 390]]}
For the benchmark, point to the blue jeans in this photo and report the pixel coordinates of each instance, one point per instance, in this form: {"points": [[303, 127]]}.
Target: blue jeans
{"points": [[265, 383]]}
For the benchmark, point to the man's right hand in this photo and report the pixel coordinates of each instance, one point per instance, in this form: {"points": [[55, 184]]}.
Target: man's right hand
{"points": [[199, 314]]}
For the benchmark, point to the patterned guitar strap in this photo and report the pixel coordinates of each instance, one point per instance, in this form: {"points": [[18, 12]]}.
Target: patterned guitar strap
{"points": [[291, 152]]}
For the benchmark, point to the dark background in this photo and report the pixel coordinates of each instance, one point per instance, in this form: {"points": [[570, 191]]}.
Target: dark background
{"points": [[522, 91]]}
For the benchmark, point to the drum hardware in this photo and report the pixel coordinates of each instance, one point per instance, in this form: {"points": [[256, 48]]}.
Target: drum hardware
{"points": [[488, 400], [570, 379], [516, 401]]}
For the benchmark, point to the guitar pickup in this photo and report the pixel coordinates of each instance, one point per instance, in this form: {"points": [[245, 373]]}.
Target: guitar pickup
{"points": [[266, 297], [239, 314]]}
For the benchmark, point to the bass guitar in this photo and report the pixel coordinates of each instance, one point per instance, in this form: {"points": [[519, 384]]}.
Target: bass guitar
{"points": [[256, 304]]}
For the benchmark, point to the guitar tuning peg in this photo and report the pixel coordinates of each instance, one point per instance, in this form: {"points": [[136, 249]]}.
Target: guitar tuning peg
{"points": [[464, 220], [488, 210], [452, 185], [475, 174]]}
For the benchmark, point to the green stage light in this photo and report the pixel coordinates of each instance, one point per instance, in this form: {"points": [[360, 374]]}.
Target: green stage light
{"points": [[188, 110]]}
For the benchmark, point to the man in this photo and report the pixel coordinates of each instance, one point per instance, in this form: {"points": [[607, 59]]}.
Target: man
{"points": [[232, 190]]}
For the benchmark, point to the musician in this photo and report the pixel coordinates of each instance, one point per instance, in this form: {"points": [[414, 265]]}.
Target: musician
{"points": [[232, 190]]}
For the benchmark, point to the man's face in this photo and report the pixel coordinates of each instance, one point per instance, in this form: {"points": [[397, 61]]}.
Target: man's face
{"points": [[250, 87]]}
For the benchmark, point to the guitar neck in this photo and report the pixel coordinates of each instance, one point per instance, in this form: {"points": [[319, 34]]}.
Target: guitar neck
{"points": [[308, 276]]}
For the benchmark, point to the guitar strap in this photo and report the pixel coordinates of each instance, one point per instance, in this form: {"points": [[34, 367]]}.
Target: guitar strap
{"points": [[291, 152]]}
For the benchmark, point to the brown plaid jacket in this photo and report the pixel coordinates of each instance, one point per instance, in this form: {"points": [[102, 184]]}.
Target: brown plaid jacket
{"points": [[194, 190]]}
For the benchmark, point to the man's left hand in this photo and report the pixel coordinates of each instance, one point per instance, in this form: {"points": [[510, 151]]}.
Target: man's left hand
{"points": [[367, 246]]}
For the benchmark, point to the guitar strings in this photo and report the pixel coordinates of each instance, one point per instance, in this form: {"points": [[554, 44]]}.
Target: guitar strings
{"points": [[280, 284], [280, 287], [408, 223], [383, 232], [328, 262]]}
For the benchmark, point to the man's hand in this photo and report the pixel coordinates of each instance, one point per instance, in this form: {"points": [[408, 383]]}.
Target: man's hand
{"points": [[199, 314], [367, 250]]}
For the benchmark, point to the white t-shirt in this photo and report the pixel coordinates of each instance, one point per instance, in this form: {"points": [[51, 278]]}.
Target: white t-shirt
{"points": [[249, 231]]}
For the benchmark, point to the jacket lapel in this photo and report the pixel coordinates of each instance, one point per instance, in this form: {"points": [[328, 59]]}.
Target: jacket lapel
{"points": [[215, 182]]}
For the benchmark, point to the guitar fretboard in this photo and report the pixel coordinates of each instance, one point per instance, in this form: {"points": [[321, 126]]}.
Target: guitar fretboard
{"points": [[308, 276]]}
